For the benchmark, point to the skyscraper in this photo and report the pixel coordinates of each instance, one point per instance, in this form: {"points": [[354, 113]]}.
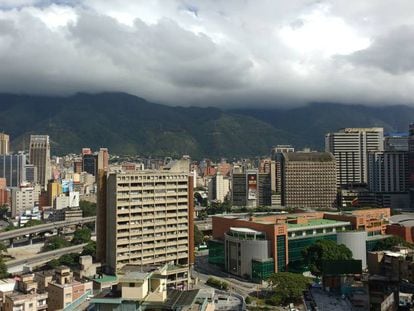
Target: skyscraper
{"points": [[4, 144], [102, 160], [39, 156], [350, 146], [251, 189], [13, 168], [89, 164], [149, 221]]}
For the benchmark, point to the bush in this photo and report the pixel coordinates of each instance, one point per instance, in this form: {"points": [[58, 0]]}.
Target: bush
{"points": [[217, 283], [248, 300]]}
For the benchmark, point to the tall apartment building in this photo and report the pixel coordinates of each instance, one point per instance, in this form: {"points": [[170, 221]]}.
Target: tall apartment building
{"points": [[39, 156], [277, 158], [4, 144], [388, 171], [251, 189], [13, 168], [23, 198], [351, 146], [309, 180], [149, 221]]}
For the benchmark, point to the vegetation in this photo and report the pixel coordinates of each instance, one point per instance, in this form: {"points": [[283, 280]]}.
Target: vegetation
{"points": [[4, 209], [286, 288], [90, 249], [33, 222], [315, 254], [81, 236], [219, 208], [70, 260], [198, 236], [54, 243], [88, 208], [248, 300], [217, 283], [3, 267], [389, 243]]}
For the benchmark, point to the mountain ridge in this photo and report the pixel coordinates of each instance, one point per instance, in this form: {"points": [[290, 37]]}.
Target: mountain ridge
{"points": [[128, 124]]}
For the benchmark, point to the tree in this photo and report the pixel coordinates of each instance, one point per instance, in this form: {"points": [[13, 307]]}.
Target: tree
{"points": [[33, 222], [3, 211], [3, 249], [53, 264], [69, 260], [55, 242], [198, 236], [389, 243], [287, 287], [322, 250], [81, 236], [88, 208], [90, 249], [3, 269]]}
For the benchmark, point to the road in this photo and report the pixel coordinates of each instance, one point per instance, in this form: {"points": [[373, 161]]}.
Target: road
{"points": [[44, 228], [16, 265]]}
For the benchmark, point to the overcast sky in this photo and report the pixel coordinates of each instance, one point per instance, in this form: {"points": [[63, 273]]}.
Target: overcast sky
{"points": [[213, 52]]}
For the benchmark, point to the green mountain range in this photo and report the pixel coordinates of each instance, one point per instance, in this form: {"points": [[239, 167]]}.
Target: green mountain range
{"points": [[128, 124]]}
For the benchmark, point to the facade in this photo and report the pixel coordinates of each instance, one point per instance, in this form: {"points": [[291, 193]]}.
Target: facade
{"points": [[4, 144], [13, 168], [257, 246], [54, 189], [396, 142], [277, 158], [39, 156], [251, 189], [23, 198], [351, 146], [31, 173], [218, 187], [149, 221], [308, 180], [388, 171], [89, 163], [65, 290], [102, 160]]}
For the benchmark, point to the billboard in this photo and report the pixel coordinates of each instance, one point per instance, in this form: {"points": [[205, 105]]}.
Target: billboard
{"points": [[67, 185], [251, 186]]}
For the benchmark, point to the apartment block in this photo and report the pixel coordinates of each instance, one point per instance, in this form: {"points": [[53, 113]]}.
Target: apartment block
{"points": [[149, 221], [308, 180]]}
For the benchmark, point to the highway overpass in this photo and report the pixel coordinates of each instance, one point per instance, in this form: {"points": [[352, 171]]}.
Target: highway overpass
{"points": [[7, 235]]}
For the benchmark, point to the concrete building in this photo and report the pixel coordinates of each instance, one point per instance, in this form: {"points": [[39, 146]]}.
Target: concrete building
{"points": [[23, 198], [54, 189], [308, 180], [218, 188], [31, 173], [4, 144], [13, 168], [277, 158], [396, 142], [102, 160], [351, 146], [25, 296], [89, 163], [356, 242], [388, 171], [65, 290], [39, 156], [251, 189], [149, 221], [274, 243]]}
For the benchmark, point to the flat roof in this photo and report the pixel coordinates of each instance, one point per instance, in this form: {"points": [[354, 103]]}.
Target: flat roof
{"points": [[106, 278], [244, 230], [317, 222]]}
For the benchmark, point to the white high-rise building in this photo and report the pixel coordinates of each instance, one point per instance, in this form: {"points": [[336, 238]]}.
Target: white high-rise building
{"points": [[351, 146]]}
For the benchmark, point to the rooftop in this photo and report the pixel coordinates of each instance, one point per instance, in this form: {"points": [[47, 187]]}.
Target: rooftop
{"points": [[317, 222], [309, 156], [106, 279]]}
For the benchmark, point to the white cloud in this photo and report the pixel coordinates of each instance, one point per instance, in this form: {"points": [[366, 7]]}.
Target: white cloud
{"points": [[210, 52]]}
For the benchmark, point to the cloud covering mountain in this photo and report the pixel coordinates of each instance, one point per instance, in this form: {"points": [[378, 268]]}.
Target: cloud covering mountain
{"points": [[220, 53]]}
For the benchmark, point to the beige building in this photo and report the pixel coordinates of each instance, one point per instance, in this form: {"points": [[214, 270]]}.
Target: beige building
{"points": [[308, 179], [65, 290], [24, 198], [4, 143], [26, 297], [149, 222]]}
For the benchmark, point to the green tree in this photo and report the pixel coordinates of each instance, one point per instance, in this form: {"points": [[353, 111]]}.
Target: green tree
{"points": [[3, 249], [88, 208], [198, 236], [69, 260], [33, 222], [315, 254], [287, 287], [3, 269], [3, 211], [81, 236], [389, 243], [90, 249], [53, 264], [55, 242]]}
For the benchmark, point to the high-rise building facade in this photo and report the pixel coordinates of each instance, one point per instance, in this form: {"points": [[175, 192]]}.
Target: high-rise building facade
{"points": [[89, 164], [218, 187], [102, 160], [309, 180], [396, 142], [4, 144], [39, 156], [13, 168], [388, 171], [276, 166], [149, 221], [251, 189], [350, 146]]}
